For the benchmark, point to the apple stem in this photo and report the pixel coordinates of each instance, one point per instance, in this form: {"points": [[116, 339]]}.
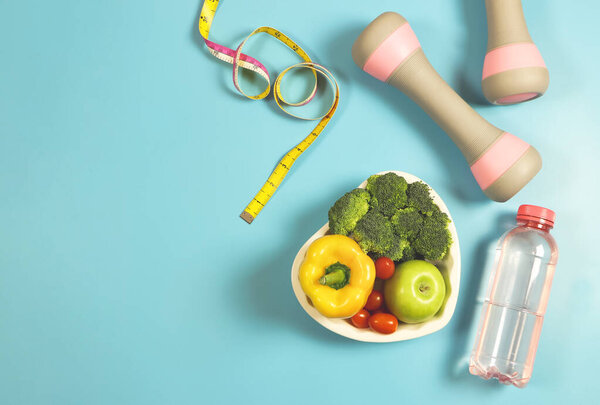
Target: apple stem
{"points": [[423, 288]]}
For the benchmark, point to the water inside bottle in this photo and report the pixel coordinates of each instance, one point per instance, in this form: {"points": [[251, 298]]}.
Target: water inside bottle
{"points": [[512, 313], [508, 335]]}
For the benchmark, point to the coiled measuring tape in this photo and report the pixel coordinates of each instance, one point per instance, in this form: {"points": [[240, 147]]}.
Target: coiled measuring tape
{"points": [[239, 59]]}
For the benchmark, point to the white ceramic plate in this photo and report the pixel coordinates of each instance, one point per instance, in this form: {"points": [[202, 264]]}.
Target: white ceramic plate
{"points": [[450, 268]]}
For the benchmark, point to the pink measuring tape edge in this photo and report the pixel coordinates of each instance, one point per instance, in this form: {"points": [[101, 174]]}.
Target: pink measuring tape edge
{"points": [[246, 58], [231, 53]]}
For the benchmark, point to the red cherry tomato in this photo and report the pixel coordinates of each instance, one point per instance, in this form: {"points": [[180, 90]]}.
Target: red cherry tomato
{"points": [[374, 301], [361, 319], [384, 266], [383, 323], [381, 309]]}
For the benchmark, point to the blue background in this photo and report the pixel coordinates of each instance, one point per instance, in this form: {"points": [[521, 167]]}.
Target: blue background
{"points": [[126, 156]]}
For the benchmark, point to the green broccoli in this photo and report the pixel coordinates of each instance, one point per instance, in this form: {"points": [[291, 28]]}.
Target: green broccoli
{"points": [[373, 232], [439, 216], [396, 251], [394, 219], [434, 239], [419, 197], [347, 210], [409, 254], [407, 222], [388, 193]]}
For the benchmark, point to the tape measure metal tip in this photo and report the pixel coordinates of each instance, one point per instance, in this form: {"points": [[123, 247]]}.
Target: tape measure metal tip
{"points": [[247, 217]]}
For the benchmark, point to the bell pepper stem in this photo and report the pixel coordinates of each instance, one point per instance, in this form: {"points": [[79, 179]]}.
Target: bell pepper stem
{"points": [[336, 276], [333, 278]]}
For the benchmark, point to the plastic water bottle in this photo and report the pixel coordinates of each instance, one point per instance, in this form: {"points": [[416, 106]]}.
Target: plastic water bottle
{"points": [[516, 300]]}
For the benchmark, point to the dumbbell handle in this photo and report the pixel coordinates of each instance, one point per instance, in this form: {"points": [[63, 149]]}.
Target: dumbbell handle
{"points": [[501, 163], [469, 131], [506, 23]]}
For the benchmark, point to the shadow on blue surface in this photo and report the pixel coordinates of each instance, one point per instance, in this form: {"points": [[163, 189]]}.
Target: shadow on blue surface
{"points": [[463, 185], [469, 73], [265, 292], [473, 290]]}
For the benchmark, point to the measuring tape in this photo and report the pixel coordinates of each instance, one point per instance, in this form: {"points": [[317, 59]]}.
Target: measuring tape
{"points": [[239, 59]]}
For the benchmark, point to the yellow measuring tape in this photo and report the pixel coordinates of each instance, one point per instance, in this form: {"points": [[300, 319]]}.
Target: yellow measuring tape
{"points": [[238, 59]]}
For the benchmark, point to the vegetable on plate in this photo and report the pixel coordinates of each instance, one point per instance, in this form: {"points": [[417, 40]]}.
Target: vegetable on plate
{"points": [[383, 323], [375, 301], [337, 276], [346, 211], [394, 219], [361, 319], [384, 266]]}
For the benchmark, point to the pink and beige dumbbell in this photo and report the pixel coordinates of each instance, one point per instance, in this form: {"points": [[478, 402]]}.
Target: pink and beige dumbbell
{"points": [[501, 163], [513, 70]]}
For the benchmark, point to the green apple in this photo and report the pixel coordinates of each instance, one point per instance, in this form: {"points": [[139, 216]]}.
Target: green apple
{"points": [[415, 292]]}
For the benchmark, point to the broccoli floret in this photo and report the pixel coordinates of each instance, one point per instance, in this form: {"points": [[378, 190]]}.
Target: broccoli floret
{"points": [[396, 251], [409, 253], [407, 223], [373, 232], [434, 239], [388, 193], [438, 216], [419, 198], [346, 211]]}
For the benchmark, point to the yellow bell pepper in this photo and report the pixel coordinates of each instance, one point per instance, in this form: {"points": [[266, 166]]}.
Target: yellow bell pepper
{"points": [[337, 276]]}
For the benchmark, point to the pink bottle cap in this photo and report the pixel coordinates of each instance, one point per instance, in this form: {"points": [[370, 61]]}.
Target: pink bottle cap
{"points": [[535, 213]]}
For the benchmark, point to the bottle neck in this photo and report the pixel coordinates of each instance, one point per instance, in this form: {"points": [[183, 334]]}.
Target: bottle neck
{"points": [[535, 225]]}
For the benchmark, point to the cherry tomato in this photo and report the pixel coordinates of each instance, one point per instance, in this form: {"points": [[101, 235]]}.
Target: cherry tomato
{"points": [[361, 319], [382, 308], [384, 266], [383, 323], [374, 301]]}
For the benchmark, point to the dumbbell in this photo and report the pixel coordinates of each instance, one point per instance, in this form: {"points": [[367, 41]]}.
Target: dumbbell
{"points": [[501, 162], [513, 69]]}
